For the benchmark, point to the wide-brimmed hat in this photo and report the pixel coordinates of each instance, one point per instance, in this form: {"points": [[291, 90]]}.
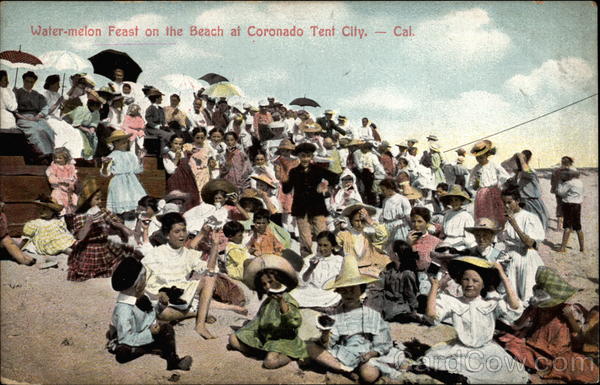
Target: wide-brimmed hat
{"points": [[305, 147], [210, 189], [49, 204], [455, 191], [349, 275], [154, 92], [349, 209], [486, 269], [412, 140], [88, 190], [329, 112], [270, 261], [286, 144], [312, 127], [432, 137], [385, 144], [167, 209], [264, 178], [341, 117], [482, 147], [175, 195], [117, 135], [356, 142], [402, 144], [554, 285], [487, 224], [250, 194], [411, 192]]}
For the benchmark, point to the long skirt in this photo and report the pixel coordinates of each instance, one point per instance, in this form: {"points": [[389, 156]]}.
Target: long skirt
{"points": [[183, 180], [39, 134], [488, 204]]}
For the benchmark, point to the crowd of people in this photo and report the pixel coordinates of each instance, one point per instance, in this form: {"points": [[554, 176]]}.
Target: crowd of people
{"points": [[311, 213]]}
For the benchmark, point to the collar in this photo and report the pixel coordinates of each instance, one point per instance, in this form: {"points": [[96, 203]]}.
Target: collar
{"points": [[175, 251], [127, 299]]}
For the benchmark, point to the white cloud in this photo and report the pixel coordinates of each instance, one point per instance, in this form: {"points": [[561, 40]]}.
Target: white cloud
{"points": [[571, 75], [275, 14], [387, 98], [182, 50], [461, 37]]}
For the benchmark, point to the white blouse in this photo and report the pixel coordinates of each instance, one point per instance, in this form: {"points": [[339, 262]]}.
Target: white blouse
{"points": [[529, 224], [489, 175], [454, 224]]}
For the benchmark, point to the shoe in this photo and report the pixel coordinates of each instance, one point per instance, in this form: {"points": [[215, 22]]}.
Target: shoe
{"points": [[184, 363]]}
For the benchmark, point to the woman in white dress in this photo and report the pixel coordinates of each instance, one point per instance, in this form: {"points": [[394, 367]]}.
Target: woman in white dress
{"points": [[474, 356], [8, 103], [317, 270]]}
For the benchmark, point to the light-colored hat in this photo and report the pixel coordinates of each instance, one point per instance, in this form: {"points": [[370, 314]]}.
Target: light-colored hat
{"points": [[312, 127], [277, 124], [345, 119], [250, 194], [176, 195], [263, 103], [254, 108], [168, 208], [487, 224], [432, 137], [402, 144], [264, 178], [356, 142], [385, 144], [554, 285], [349, 276], [269, 261], [435, 147], [411, 192], [329, 112], [481, 147], [246, 106], [412, 140], [210, 189], [348, 210], [286, 144], [455, 191], [88, 190], [117, 135]]}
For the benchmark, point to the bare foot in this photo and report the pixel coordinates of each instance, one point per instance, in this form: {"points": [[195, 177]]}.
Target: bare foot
{"points": [[562, 250], [204, 333]]}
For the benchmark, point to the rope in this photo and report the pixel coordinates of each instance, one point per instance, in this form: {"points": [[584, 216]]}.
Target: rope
{"points": [[523, 123]]}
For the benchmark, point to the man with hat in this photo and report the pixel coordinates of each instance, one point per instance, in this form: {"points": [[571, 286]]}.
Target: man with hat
{"points": [[309, 184], [134, 325], [156, 123], [32, 109], [328, 125]]}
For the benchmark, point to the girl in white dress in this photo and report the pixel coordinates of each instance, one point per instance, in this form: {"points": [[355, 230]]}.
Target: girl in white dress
{"points": [[456, 219]]}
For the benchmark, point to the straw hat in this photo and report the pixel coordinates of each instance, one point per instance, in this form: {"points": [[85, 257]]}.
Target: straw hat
{"points": [[481, 147], [175, 195], [554, 285], [117, 135], [210, 189], [349, 276], [49, 204], [265, 179], [455, 191], [269, 261], [411, 193], [433, 138], [329, 112], [286, 144], [250, 194], [487, 224], [312, 127], [88, 190], [356, 142], [348, 210], [486, 269]]}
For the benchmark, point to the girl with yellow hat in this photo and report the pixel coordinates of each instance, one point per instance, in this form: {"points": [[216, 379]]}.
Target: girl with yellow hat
{"points": [[355, 339]]}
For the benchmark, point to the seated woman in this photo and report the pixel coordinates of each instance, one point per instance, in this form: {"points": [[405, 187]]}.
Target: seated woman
{"points": [[456, 219], [274, 330], [94, 256], [355, 338], [317, 270], [171, 265], [546, 335], [522, 234], [364, 239], [473, 316]]}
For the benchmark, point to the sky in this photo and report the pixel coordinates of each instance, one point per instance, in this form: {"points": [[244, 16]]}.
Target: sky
{"points": [[469, 70]]}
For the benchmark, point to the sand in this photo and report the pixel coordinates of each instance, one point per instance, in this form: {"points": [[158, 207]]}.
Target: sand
{"points": [[53, 330]]}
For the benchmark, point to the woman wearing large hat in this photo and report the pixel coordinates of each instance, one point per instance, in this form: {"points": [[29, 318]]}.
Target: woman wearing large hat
{"points": [[93, 256], [474, 318], [457, 218], [355, 338], [274, 330], [549, 333], [487, 179]]}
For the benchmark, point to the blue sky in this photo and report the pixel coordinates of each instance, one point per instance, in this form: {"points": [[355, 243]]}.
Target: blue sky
{"points": [[471, 69]]}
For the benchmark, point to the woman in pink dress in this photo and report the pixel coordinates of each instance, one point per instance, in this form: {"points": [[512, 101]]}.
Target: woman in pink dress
{"points": [[62, 176], [201, 154]]}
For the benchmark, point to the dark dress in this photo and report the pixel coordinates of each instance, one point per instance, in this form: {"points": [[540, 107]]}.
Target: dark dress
{"points": [[183, 179]]}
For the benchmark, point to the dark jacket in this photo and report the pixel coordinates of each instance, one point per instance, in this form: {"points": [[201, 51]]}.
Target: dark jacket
{"points": [[155, 116], [307, 201], [328, 126]]}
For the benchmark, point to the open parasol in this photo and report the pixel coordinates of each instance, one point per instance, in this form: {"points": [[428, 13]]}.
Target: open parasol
{"points": [[63, 61], [19, 59], [223, 90], [107, 61], [212, 78], [304, 102]]}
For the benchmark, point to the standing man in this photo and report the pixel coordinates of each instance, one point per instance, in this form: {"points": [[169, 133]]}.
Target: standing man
{"points": [[309, 184]]}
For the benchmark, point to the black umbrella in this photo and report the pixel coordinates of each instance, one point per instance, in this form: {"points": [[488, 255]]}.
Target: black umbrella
{"points": [[212, 78], [303, 102], [107, 61]]}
